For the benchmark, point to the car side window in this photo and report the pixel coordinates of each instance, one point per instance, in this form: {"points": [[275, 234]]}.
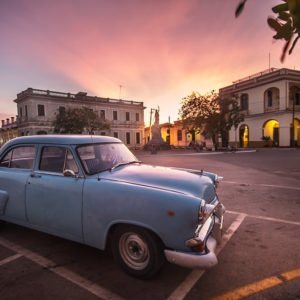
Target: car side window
{"points": [[57, 159], [19, 157]]}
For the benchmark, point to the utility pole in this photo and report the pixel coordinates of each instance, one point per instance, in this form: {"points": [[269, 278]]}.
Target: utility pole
{"points": [[151, 111], [169, 133], [293, 121], [120, 91]]}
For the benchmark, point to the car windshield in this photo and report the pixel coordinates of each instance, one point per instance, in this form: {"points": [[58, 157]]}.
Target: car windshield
{"points": [[100, 157]]}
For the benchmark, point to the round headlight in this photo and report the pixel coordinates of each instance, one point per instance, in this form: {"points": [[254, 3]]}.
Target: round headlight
{"points": [[205, 210], [201, 214]]}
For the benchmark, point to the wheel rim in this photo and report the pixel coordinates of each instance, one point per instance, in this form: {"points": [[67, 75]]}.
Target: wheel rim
{"points": [[134, 251]]}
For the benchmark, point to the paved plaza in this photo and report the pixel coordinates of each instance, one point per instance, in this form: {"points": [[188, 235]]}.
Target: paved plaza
{"points": [[259, 257]]}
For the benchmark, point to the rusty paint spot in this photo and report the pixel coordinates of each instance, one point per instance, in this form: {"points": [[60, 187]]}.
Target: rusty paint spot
{"points": [[171, 213]]}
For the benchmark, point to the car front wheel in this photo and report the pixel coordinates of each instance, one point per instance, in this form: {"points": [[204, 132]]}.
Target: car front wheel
{"points": [[138, 251], [2, 224]]}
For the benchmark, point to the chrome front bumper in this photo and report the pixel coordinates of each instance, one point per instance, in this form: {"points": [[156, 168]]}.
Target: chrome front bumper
{"points": [[196, 259], [192, 260]]}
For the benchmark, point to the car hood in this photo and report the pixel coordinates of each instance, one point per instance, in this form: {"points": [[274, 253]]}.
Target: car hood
{"points": [[175, 180]]}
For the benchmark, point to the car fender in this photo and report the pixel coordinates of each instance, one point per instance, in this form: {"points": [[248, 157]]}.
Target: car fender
{"points": [[123, 222], [3, 201], [171, 216]]}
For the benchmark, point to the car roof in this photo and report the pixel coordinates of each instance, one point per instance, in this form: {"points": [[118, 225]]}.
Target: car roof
{"points": [[61, 140]]}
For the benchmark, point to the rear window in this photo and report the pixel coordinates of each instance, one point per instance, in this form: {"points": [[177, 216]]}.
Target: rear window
{"points": [[19, 157]]}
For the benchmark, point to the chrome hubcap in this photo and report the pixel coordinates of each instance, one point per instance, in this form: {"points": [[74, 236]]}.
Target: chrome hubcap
{"points": [[134, 251]]}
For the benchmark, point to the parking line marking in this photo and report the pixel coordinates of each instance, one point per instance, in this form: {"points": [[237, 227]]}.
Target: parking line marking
{"points": [[9, 259], [230, 231], [263, 184], [280, 186], [61, 271], [265, 218], [258, 286], [183, 289]]}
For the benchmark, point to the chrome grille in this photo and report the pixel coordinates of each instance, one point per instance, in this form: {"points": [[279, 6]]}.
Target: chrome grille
{"points": [[209, 193]]}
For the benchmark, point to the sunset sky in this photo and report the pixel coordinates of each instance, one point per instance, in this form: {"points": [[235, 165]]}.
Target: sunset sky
{"points": [[158, 50]]}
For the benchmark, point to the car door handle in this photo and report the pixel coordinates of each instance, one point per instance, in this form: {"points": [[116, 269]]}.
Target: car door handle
{"points": [[35, 175]]}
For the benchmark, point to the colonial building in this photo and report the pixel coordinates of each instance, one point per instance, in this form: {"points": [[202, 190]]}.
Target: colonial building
{"points": [[8, 130], [38, 108], [270, 101]]}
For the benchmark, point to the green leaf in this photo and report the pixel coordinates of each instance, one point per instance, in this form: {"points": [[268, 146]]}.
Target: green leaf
{"points": [[293, 5], [284, 16], [274, 24], [285, 32], [294, 44], [285, 48], [240, 8], [281, 7]]}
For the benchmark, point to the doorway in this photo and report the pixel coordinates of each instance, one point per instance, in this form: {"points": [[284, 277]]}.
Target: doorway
{"points": [[244, 136]]}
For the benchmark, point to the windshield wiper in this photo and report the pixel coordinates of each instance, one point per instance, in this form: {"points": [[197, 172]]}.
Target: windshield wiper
{"points": [[124, 163]]}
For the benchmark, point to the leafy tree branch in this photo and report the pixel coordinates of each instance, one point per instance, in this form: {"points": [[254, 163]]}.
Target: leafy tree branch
{"points": [[286, 24], [78, 120], [210, 115]]}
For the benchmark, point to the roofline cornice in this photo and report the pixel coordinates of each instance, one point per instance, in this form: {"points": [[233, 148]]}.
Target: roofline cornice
{"points": [[278, 75], [79, 98]]}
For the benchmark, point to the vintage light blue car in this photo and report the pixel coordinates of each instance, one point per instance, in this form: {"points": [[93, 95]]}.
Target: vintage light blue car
{"points": [[93, 190]]}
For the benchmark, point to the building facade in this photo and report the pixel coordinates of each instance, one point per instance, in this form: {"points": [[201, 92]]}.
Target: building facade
{"points": [[8, 130], [179, 137], [37, 109], [270, 101]]}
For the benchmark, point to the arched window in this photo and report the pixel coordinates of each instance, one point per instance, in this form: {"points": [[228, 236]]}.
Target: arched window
{"points": [[270, 98], [294, 95], [244, 102]]}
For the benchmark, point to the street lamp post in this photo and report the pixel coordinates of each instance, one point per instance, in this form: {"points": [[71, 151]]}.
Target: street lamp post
{"points": [[152, 110], [293, 121], [235, 137]]}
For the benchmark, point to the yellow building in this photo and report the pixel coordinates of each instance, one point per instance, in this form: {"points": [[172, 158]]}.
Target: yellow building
{"points": [[177, 136], [8, 130]]}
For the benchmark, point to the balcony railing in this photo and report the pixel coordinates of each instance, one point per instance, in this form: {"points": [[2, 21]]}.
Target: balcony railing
{"points": [[256, 75], [271, 108]]}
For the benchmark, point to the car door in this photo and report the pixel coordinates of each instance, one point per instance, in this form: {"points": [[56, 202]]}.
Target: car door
{"points": [[54, 201], [16, 164]]}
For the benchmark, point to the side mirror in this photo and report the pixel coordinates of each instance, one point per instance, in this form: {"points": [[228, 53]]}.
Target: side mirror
{"points": [[69, 173]]}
